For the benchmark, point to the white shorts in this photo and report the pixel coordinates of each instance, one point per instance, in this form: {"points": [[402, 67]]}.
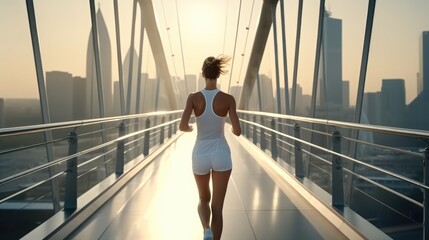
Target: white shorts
{"points": [[212, 154]]}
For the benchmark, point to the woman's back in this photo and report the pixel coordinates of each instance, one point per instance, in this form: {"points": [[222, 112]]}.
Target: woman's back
{"points": [[221, 103], [212, 109]]}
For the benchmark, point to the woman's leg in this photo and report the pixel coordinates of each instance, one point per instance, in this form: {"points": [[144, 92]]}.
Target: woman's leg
{"points": [[220, 184], [204, 193]]}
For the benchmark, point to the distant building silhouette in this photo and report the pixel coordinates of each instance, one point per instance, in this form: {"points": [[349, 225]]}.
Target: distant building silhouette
{"points": [[330, 86], [59, 89], [201, 82], [423, 76], [267, 97], [302, 103], [371, 109], [180, 89], [66, 96], [346, 95], [92, 105], [126, 72], [116, 99], [191, 81], [418, 107], [79, 98], [393, 102], [2, 113], [21, 112]]}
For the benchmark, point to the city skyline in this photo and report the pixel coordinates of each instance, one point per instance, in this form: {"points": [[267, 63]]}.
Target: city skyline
{"points": [[353, 34]]}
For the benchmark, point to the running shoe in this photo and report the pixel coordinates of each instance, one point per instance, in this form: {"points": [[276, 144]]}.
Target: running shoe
{"points": [[208, 234]]}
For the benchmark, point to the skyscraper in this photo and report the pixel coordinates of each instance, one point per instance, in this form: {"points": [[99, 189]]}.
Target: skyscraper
{"points": [[92, 105], [116, 99], [393, 102], [267, 96], [79, 98], [2, 113], [330, 86], [346, 94], [416, 109], [133, 82], [191, 81], [59, 89], [371, 109], [423, 76]]}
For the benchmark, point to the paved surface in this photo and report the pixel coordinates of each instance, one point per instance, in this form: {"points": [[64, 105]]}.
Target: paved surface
{"points": [[161, 203]]}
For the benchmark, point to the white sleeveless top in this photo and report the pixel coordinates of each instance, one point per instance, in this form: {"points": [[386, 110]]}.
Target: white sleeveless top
{"points": [[209, 124]]}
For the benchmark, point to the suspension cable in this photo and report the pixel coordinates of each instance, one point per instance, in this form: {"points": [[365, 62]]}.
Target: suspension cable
{"points": [[226, 21], [169, 39], [245, 42], [224, 35], [181, 49], [235, 46]]}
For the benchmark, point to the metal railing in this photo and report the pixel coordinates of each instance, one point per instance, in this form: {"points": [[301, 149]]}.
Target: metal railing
{"points": [[87, 152], [324, 155]]}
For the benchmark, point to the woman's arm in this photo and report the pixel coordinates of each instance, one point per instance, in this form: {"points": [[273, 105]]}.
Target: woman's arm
{"points": [[236, 129], [184, 122]]}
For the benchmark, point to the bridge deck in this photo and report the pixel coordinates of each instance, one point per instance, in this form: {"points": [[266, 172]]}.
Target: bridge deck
{"points": [[161, 201]]}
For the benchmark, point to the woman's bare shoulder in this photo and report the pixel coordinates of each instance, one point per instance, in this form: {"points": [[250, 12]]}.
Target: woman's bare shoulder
{"points": [[194, 95], [227, 96]]}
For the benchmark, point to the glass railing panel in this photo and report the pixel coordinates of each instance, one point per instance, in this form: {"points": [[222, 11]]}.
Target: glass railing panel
{"points": [[340, 58], [307, 55], [396, 94], [338, 77], [66, 49], [108, 50]]}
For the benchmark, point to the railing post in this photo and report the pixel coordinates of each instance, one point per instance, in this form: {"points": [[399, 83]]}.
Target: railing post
{"points": [[146, 139], [274, 152], [170, 128], [175, 126], [246, 117], [426, 194], [255, 136], [299, 165], [120, 149], [162, 130], [70, 197], [262, 136], [245, 127], [337, 171]]}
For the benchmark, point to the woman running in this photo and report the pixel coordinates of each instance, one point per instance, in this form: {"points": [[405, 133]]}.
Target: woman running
{"points": [[211, 155]]}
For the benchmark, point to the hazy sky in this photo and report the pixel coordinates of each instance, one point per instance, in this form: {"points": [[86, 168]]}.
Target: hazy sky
{"points": [[64, 30]]}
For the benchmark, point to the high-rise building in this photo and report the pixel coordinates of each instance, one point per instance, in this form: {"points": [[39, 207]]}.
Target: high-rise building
{"points": [[201, 82], [59, 89], [92, 105], [79, 98], [346, 95], [150, 95], [130, 80], [371, 109], [423, 76], [191, 81], [267, 96], [416, 109], [2, 113], [330, 86], [393, 102], [116, 99]]}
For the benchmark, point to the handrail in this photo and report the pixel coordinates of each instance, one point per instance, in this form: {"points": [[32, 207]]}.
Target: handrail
{"points": [[64, 159], [77, 123], [409, 180], [357, 126]]}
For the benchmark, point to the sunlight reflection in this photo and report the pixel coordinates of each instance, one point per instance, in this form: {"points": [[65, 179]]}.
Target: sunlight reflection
{"points": [[256, 198], [179, 196]]}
